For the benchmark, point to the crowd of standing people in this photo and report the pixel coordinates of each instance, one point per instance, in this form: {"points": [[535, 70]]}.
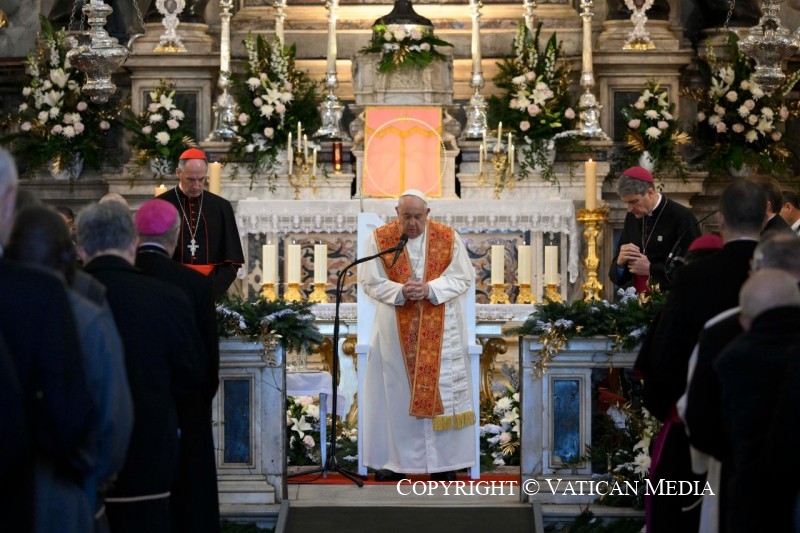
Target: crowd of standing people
{"points": [[110, 358]]}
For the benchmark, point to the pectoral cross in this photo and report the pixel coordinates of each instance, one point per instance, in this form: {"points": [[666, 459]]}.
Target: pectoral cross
{"points": [[193, 246]]}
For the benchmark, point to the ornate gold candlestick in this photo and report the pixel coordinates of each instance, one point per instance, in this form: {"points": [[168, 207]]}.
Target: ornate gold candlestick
{"points": [[319, 295], [593, 219], [503, 173], [498, 295], [525, 295], [304, 175], [551, 293], [268, 292], [293, 293]]}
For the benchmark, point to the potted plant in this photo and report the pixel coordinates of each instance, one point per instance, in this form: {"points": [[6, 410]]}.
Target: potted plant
{"points": [[653, 134], [536, 104], [738, 124], [273, 97], [160, 133], [56, 126]]}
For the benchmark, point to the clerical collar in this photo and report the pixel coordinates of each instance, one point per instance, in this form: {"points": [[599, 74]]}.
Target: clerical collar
{"points": [[152, 247], [658, 203]]}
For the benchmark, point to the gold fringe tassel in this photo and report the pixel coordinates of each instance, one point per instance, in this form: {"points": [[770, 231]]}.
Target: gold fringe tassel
{"points": [[450, 422]]}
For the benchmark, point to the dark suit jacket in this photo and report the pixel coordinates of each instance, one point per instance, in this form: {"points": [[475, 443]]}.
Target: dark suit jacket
{"points": [[702, 289], [160, 339], [154, 261], [756, 395], [40, 334], [776, 223]]}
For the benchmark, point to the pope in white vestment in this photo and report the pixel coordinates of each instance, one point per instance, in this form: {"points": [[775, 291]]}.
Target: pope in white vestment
{"points": [[419, 416]]}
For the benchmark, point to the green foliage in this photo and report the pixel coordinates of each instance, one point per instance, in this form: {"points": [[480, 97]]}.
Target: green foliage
{"points": [[273, 96], [402, 49], [290, 323]]}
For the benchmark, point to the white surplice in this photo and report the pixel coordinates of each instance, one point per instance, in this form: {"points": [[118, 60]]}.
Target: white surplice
{"points": [[392, 438]]}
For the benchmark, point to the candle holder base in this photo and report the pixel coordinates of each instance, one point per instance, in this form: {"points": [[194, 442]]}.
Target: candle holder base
{"points": [[498, 295], [319, 296], [593, 220], [293, 293], [268, 292], [551, 293], [525, 295]]}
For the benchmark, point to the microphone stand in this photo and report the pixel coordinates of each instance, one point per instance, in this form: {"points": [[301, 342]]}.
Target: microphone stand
{"points": [[332, 463]]}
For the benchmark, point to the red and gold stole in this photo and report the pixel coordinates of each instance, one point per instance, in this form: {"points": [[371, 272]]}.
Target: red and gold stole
{"points": [[420, 324]]}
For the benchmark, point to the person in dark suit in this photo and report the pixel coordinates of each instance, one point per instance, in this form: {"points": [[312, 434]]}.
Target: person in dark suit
{"points": [[161, 342], [702, 289], [703, 410], [772, 189], [653, 226], [195, 501], [41, 238], [41, 337], [750, 394], [790, 210]]}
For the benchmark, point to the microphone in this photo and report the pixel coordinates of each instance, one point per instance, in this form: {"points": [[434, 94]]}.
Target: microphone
{"points": [[673, 257], [399, 248]]}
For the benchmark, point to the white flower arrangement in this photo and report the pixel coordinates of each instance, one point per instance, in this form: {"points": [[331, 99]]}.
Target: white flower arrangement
{"points": [[404, 47], [160, 132], [302, 431]]}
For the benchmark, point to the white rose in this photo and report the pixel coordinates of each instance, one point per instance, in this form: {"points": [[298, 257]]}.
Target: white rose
{"points": [[243, 118], [634, 123], [147, 130], [79, 127], [57, 129], [731, 96], [173, 124], [269, 132]]}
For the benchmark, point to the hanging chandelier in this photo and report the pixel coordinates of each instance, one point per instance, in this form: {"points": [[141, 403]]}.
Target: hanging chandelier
{"points": [[769, 44], [101, 56]]}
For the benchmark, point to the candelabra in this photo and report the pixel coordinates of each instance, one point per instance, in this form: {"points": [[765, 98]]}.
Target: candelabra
{"points": [[319, 295], [498, 295], [502, 168], [525, 295], [331, 109], [475, 127], [268, 292], [551, 293], [293, 293], [593, 220], [304, 173], [225, 107], [170, 42], [589, 108], [639, 38]]}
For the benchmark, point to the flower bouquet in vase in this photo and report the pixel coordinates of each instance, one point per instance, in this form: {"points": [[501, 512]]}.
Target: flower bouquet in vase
{"points": [[160, 132], [536, 105], [653, 135], [273, 98], [739, 126], [56, 127]]}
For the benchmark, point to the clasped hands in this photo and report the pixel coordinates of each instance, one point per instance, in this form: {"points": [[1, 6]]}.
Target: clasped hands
{"points": [[415, 290], [636, 261]]}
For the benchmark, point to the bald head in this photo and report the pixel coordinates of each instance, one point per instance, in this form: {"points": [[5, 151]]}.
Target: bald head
{"points": [[769, 288]]}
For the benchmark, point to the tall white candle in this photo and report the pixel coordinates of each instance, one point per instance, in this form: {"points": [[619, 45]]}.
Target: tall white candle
{"points": [[591, 184], [314, 162], [215, 177], [551, 265], [269, 258], [480, 158], [476, 36], [498, 264], [332, 37], [320, 263], [225, 38], [293, 264], [290, 158], [289, 143], [305, 148], [299, 136], [524, 264], [499, 133]]}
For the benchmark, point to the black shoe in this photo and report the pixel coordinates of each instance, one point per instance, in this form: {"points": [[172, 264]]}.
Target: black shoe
{"points": [[385, 474], [450, 475]]}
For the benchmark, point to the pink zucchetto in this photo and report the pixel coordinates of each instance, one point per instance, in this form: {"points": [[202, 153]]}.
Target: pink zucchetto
{"points": [[639, 173], [155, 217]]}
